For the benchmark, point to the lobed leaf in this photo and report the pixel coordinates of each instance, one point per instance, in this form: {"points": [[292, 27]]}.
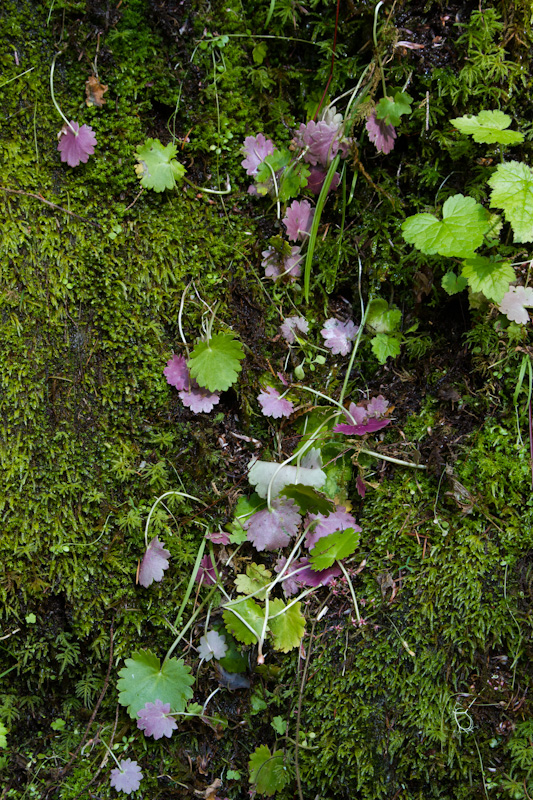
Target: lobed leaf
{"points": [[254, 615], [143, 680], [464, 223], [333, 548], [488, 127], [157, 167], [488, 276], [287, 629], [512, 190], [215, 364], [268, 770]]}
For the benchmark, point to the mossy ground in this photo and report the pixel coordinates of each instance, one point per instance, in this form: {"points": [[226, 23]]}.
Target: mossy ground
{"points": [[430, 697]]}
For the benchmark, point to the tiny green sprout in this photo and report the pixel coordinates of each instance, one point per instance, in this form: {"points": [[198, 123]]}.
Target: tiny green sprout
{"points": [[31, 619]]}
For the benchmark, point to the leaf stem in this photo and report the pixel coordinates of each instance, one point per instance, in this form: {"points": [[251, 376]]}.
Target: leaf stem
{"points": [[375, 37], [391, 459], [352, 591], [52, 94]]}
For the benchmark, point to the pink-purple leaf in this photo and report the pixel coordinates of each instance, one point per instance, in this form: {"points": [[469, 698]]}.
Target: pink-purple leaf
{"points": [[301, 574], [218, 537], [356, 415], [338, 520], [273, 405], [270, 530], [212, 645], [380, 134], [206, 574], [321, 142], [283, 266], [199, 400], [177, 373], [155, 720], [76, 144], [338, 336], [371, 426], [290, 325], [154, 563], [515, 302], [316, 178], [377, 406], [256, 149], [360, 487], [127, 777], [298, 220]]}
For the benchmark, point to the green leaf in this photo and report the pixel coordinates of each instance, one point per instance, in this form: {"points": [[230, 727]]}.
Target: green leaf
{"points": [[512, 190], [333, 548], [488, 276], [381, 318], [488, 127], [259, 52], [280, 725], [308, 499], [287, 629], [390, 109], [254, 615], [157, 167], [268, 770], [215, 364], [3, 738], [385, 346], [275, 162], [293, 180], [452, 283], [257, 576], [464, 223], [143, 680]]}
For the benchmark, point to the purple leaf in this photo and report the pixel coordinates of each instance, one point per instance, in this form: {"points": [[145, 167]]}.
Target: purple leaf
{"points": [[290, 325], [218, 537], [322, 140], [273, 405], [316, 178], [307, 577], [339, 520], [360, 486], [199, 400], [154, 563], [206, 574], [371, 426], [76, 144], [256, 149], [282, 266], [298, 220], [212, 645], [155, 721], [127, 777], [377, 406], [270, 530], [177, 373], [356, 415], [380, 134], [338, 336]]}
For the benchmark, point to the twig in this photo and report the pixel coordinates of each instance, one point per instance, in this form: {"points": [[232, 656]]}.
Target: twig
{"points": [[52, 205]]}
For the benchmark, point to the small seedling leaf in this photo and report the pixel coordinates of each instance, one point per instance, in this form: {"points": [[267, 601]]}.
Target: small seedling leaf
{"points": [[453, 284], [157, 167], [390, 109], [268, 770], [385, 346], [257, 576]]}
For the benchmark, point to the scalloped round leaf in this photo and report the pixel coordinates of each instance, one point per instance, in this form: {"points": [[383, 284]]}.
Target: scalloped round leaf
{"points": [[461, 231], [333, 548], [488, 127], [257, 576], [287, 629], [252, 613], [157, 167], [512, 190], [488, 276], [453, 284], [215, 364], [143, 680], [268, 770]]}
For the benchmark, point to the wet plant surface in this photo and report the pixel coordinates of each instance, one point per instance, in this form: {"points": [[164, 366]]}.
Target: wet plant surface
{"points": [[130, 519]]}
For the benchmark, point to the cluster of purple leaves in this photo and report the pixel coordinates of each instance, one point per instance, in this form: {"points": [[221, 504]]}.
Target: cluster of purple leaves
{"points": [[319, 143], [275, 528], [365, 417], [76, 144], [282, 265], [191, 395]]}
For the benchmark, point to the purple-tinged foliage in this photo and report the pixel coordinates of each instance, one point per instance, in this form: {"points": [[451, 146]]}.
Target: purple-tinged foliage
{"points": [[338, 336], [206, 574], [127, 777], [360, 487], [273, 405], [377, 406], [154, 563], [256, 149], [290, 325], [298, 220], [76, 144], [339, 520], [316, 178], [218, 537], [371, 426], [155, 720], [322, 140], [306, 577], [281, 266], [270, 530], [199, 400], [380, 134], [177, 373]]}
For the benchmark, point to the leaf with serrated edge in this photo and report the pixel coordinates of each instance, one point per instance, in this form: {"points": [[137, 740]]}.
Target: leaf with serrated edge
{"points": [[215, 364], [308, 499], [143, 680], [157, 167], [512, 190], [490, 277], [268, 771], [384, 347], [464, 223], [254, 615], [453, 284], [333, 548], [488, 127], [287, 629], [257, 576]]}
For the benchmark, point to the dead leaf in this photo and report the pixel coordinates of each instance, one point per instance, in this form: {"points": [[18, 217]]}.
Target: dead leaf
{"points": [[211, 791], [95, 92]]}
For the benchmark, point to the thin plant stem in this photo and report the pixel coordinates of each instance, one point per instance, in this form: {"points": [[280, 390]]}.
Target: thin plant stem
{"points": [[16, 77], [162, 497], [375, 37], [391, 459], [52, 94], [352, 591]]}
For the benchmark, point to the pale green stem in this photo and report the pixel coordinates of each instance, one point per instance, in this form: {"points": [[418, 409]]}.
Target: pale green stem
{"points": [[278, 207], [352, 591], [207, 191], [162, 497], [54, 101], [16, 77], [354, 351], [391, 459], [111, 753], [375, 36]]}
